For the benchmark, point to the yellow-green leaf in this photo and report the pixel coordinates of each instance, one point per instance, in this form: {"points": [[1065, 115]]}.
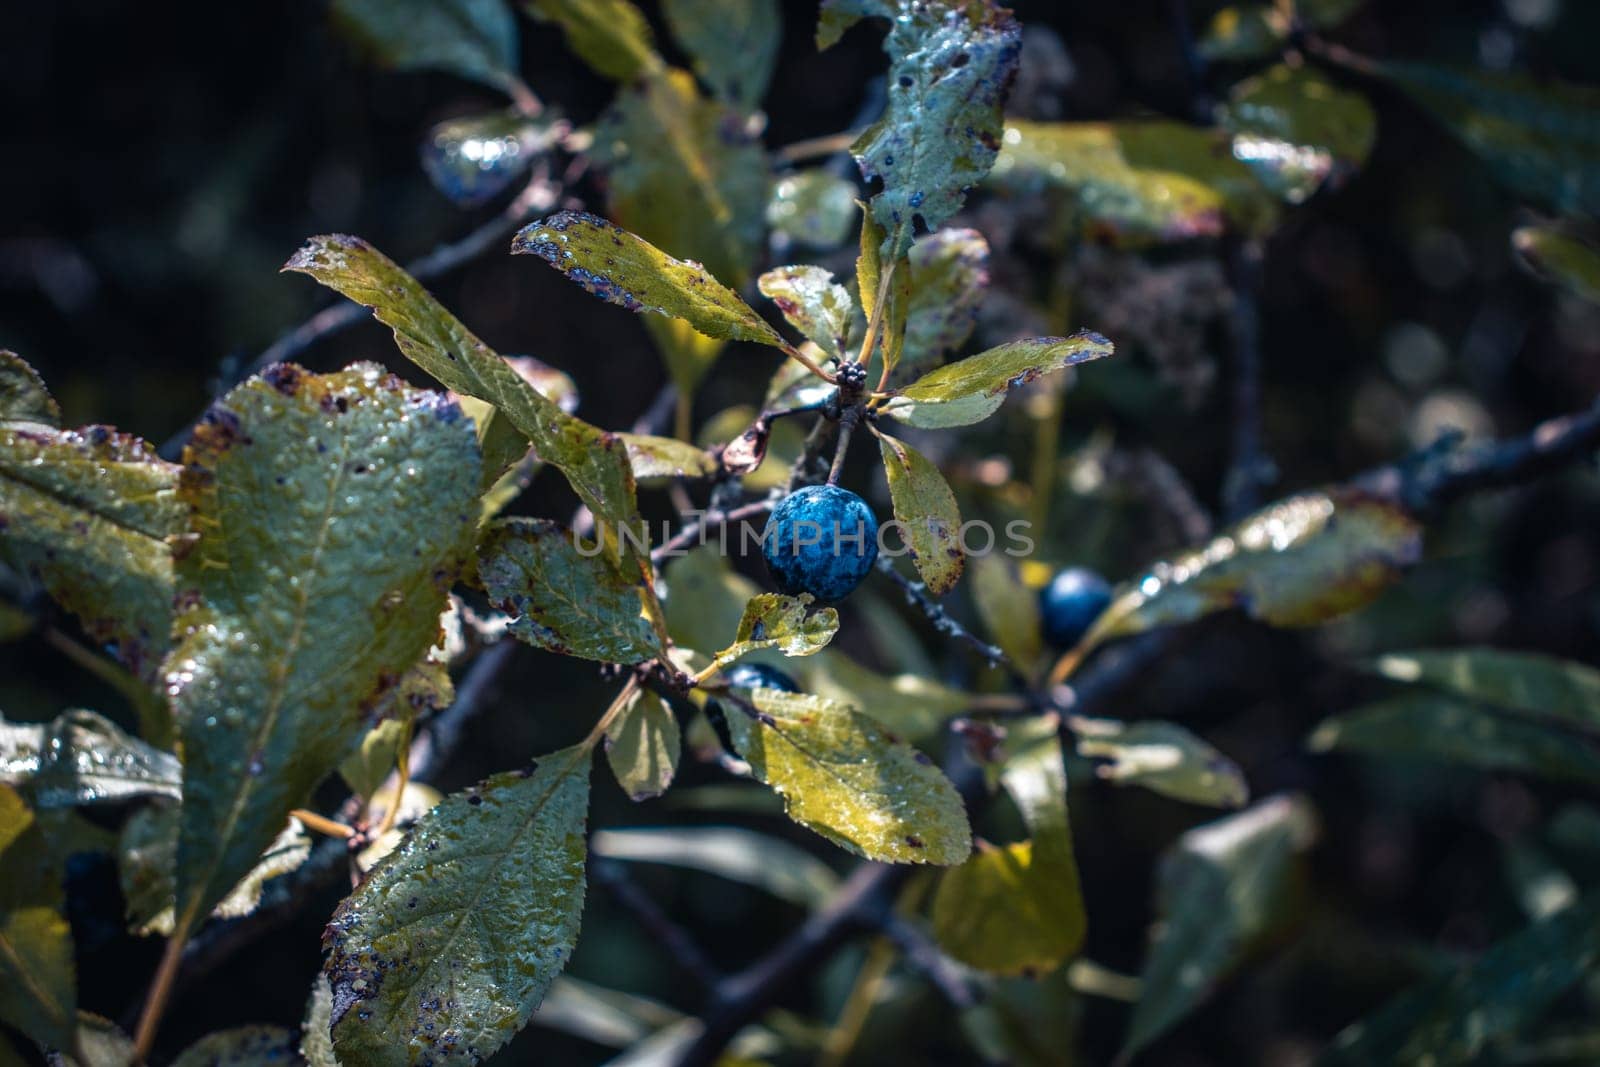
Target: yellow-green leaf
{"points": [[1553, 253], [734, 44], [661, 458], [1008, 607], [83, 758], [705, 599], [1520, 681], [786, 623], [1297, 130], [330, 515], [972, 389], [316, 1033], [927, 512], [612, 36], [841, 775], [947, 280], [812, 303], [23, 396], [449, 945], [476, 39], [38, 983], [243, 1046], [814, 208], [642, 745], [910, 703], [1164, 758]]}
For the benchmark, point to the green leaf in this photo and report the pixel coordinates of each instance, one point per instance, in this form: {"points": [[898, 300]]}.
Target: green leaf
{"points": [[1299, 562], [562, 597], [476, 39], [1008, 608], [972, 389], [642, 746], [659, 458], [1554, 254], [948, 279], [331, 513], [951, 63], [910, 703], [594, 462], [368, 767], [1238, 33], [316, 1033], [38, 985], [612, 36], [449, 945], [1220, 890], [1297, 130], [604, 1016], [813, 207], [687, 353], [686, 174], [927, 511], [705, 599], [1539, 140], [99, 1043], [841, 775], [243, 1046], [83, 758], [812, 303], [23, 396], [1164, 758], [1138, 182], [1452, 1019], [623, 269], [88, 513], [474, 158], [786, 623], [734, 44], [745, 856], [1018, 909], [1519, 681], [147, 856]]}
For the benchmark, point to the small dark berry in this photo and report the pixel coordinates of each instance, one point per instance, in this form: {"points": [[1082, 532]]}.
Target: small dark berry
{"points": [[759, 676], [1070, 604], [820, 540]]}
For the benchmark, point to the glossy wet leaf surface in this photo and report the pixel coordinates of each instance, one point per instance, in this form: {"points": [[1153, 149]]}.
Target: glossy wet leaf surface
{"points": [[1219, 889], [88, 512], [562, 599], [768, 863], [1453, 1018], [925, 507], [812, 303], [83, 758], [332, 514], [1008, 608], [642, 746], [448, 947], [658, 458], [243, 1046], [734, 44], [1018, 908], [37, 978], [1164, 758], [843, 776], [785, 623], [948, 279], [23, 395], [972, 389], [1558, 256], [813, 208], [950, 66], [473, 159], [476, 39], [1297, 130], [626, 270], [612, 36], [594, 462]]}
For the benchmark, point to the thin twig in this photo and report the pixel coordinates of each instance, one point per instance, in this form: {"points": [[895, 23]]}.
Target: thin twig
{"points": [[917, 596], [695, 528], [1250, 470], [679, 944]]}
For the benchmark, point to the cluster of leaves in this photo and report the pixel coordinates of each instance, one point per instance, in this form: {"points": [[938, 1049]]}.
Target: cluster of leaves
{"points": [[288, 601]]}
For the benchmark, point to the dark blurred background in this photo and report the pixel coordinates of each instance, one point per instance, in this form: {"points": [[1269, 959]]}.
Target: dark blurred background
{"points": [[159, 162]]}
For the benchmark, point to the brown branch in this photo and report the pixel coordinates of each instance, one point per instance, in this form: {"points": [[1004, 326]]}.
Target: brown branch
{"points": [[1250, 470], [917, 596], [679, 944]]}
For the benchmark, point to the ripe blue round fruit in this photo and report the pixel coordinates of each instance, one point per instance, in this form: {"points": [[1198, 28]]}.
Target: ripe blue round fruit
{"points": [[1070, 604], [759, 676], [820, 540]]}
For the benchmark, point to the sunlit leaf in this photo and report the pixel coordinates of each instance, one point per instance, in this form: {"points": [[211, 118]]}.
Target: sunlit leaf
{"points": [[1018, 908], [687, 353], [1221, 887], [705, 599], [562, 596], [813, 207], [369, 766], [1521, 681], [1008, 608], [972, 389], [909, 703], [841, 775], [1143, 181], [1297, 130], [1554, 254], [88, 513], [244, 1046], [473, 159], [785, 623], [1539, 140], [23, 396], [666, 457], [687, 174], [147, 855], [1451, 1019], [594, 462], [476, 39], [813, 304], [642, 746], [612, 36], [925, 507], [448, 946], [1164, 758], [83, 758], [948, 279], [951, 63], [734, 44], [316, 1033], [745, 856], [38, 985], [99, 1043], [1244, 32], [331, 514]]}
